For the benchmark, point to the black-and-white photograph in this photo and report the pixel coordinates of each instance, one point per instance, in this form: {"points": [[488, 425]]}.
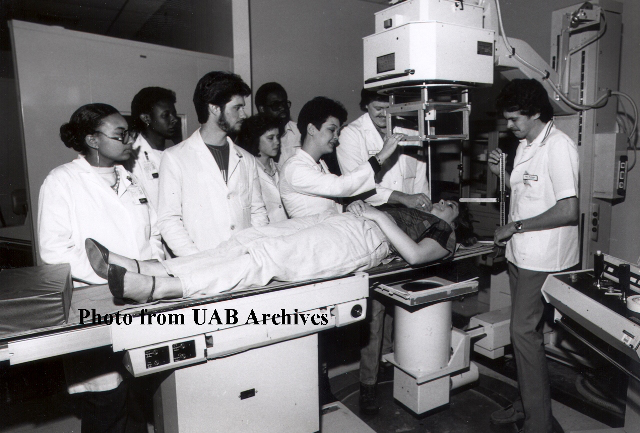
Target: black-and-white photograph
{"points": [[319, 216]]}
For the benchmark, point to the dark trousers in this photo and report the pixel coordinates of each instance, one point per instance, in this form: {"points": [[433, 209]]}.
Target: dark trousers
{"points": [[527, 311], [377, 339], [116, 411]]}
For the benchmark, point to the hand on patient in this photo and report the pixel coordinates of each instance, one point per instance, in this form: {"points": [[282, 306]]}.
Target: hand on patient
{"points": [[362, 209], [356, 207], [418, 201]]}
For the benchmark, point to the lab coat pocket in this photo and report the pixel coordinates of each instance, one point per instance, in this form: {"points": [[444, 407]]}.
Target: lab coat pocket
{"points": [[246, 215], [410, 174], [245, 202], [411, 166]]}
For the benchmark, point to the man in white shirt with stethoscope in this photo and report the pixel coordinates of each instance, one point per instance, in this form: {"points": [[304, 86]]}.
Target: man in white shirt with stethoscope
{"points": [[541, 237]]}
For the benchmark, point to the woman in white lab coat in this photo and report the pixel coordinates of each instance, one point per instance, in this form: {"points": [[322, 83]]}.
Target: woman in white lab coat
{"points": [[95, 196], [260, 136]]}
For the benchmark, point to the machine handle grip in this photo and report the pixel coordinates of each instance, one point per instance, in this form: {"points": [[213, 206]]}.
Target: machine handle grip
{"points": [[390, 76], [598, 265], [624, 273]]}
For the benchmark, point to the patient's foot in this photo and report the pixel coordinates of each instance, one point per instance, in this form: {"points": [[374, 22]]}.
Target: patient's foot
{"points": [[100, 258], [143, 288]]}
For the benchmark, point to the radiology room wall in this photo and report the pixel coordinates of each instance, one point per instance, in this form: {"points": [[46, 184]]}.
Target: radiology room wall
{"points": [[313, 48], [59, 70], [11, 162], [197, 25]]}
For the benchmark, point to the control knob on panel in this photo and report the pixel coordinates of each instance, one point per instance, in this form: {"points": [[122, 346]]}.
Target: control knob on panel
{"points": [[356, 311]]}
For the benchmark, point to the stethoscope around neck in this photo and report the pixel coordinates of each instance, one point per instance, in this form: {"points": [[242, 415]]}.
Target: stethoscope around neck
{"points": [[547, 132]]}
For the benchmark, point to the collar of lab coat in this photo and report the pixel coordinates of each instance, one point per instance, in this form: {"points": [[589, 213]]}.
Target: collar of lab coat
{"points": [[371, 133], [92, 175], [140, 147], [289, 127], [144, 146], [141, 143], [235, 157], [262, 172], [536, 144], [309, 159]]}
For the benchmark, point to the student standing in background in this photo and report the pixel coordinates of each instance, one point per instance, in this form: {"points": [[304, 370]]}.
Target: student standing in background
{"points": [[271, 100], [154, 119], [260, 136]]}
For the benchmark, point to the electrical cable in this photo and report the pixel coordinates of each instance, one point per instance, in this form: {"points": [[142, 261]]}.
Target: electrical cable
{"points": [[593, 395], [631, 138], [603, 25], [599, 103]]}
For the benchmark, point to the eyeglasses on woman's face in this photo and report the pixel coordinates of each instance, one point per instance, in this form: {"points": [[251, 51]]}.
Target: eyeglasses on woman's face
{"points": [[124, 138]]}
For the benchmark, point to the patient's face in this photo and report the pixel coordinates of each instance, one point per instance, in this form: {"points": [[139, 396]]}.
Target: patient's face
{"points": [[446, 210]]}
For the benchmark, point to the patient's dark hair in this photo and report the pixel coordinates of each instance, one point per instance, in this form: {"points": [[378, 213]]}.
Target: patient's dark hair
{"points": [[464, 227], [84, 121], [528, 97]]}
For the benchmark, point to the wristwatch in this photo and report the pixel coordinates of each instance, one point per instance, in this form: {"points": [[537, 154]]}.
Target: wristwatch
{"points": [[518, 226]]}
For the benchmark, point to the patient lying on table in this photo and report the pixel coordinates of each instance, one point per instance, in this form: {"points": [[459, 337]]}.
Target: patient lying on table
{"points": [[319, 246]]}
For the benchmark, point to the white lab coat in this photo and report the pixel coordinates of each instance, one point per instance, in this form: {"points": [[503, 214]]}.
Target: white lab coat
{"points": [[270, 193], [146, 168], [290, 141], [197, 209], [76, 203], [308, 188], [360, 140]]}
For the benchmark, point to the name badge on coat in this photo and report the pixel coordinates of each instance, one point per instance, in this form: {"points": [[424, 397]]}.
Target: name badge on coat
{"points": [[137, 194], [530, 177], [149, 168]]}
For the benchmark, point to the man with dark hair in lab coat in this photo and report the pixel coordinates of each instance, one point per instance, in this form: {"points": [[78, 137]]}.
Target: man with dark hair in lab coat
{"points": [[209, 187]]}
